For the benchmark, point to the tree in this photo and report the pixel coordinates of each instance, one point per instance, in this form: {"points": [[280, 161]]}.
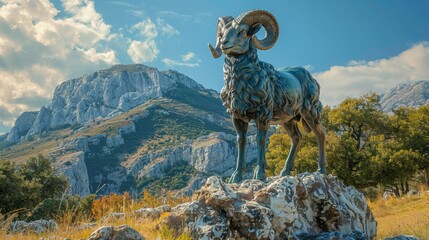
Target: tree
{"points": [[12, 193], [355, 121], [41, 180], [411, 128], [27, 185], [395, 166], [365, 146]]}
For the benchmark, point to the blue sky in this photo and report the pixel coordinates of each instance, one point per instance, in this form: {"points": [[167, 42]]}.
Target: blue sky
{"points": [[351, 47]]}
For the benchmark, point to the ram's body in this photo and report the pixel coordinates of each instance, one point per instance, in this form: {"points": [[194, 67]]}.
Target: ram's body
{"points": [[254, 89]]}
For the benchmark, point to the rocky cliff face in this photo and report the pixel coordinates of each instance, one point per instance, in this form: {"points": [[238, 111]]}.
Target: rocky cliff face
{"points": [[72, 165], [215, 154], [72, 156], [406, 95], [23, 124], [308, 206]]}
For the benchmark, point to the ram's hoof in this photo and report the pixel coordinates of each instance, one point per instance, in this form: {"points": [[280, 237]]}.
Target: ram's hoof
{"points": [[236, 177], [322, 171], [285, 172], [259, 174]]}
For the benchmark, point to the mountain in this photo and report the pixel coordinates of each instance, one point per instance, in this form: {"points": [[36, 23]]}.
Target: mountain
{"points": [[105, 93], [413, 94], [129, 127]]}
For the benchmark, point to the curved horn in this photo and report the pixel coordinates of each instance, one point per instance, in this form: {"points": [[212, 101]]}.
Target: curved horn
{"points": [[222, 21], [268, 21]]}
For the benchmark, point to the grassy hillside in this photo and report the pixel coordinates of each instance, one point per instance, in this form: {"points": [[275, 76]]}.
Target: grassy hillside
{"points": [[402, 216], [43, 144]]}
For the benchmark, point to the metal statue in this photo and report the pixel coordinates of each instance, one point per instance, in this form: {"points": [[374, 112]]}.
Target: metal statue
{"points": [[254, 90]]}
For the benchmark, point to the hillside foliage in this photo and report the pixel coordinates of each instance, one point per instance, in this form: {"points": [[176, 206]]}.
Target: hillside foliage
{"points": [[365, 146], [24, 186]]}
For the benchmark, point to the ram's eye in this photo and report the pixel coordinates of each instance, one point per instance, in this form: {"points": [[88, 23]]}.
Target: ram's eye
{"points": [[242, 32]]}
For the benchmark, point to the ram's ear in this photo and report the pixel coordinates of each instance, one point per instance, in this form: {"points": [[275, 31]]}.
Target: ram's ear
{"points": [[254, 29]]}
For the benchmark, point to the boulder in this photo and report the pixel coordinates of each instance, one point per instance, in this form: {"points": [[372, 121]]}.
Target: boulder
{"points": [[113, 216], [308, 205], [412, 193], [163, 208], [122, 232], [333, 236], [150, 213], [37, 227], [86, 226], [403, 237]]}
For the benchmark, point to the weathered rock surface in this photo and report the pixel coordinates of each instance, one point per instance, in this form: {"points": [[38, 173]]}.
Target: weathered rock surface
{"points": [[403, 237], [38, 226], [72, 165], [22, 125], [333, 236], [414, 94], [211, 154], [42, 122], [279, 208], [123, 232]]}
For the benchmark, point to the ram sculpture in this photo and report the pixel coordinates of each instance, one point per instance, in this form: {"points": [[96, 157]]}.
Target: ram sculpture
{"points": [[254, 90]]}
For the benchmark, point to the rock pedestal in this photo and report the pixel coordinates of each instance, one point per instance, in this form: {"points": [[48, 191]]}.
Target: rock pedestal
{"points": [[307, 206]]}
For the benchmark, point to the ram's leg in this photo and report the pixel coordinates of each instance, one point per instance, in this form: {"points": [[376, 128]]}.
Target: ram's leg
{"points": [[320, 133], [295, 137], [241, 129], [259, 172]]}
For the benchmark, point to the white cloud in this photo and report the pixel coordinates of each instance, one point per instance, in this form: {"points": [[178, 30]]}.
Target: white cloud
{"points": [[39, 50], [189, 59], [146, 28], [122, 4], [360, 77], [92, 55], [166, 28], [145, 51]]}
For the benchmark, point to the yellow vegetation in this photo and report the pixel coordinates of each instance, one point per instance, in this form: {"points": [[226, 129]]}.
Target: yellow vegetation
{"points": [[402, 216], [69, 222]]}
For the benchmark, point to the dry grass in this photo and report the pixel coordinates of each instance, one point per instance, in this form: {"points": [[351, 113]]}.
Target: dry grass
{"points": [[150, 229], [70, 221], [402, 216]]}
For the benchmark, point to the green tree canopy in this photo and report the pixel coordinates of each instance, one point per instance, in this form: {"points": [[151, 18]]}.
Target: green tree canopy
{"points": [[365, 146], [26, 185]]}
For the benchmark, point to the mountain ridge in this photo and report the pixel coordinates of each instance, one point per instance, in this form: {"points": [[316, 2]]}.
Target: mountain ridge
{"points": [[412, 94], [103, 93]]}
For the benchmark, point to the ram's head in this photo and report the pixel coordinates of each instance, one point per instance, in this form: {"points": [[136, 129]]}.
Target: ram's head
{"points": [[233, 36]]}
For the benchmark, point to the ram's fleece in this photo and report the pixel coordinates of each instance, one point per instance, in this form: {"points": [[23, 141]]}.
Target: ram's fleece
{"points": [[254, 90]]}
